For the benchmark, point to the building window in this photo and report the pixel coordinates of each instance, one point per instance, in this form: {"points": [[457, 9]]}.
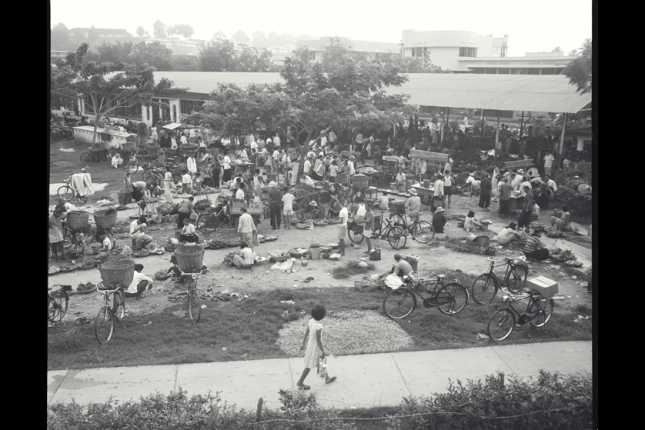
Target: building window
{"points": [[467, 52], [189, 106], [419, 52]]}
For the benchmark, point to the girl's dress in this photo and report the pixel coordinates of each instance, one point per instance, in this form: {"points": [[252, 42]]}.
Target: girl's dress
{"points": [[312, 352]]}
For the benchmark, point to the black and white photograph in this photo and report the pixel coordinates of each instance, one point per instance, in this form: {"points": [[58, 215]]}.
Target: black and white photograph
{"points": [[342, 214]]}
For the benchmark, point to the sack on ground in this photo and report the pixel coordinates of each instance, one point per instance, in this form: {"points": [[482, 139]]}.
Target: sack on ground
{"points": [[375, 253], [393, 281]]}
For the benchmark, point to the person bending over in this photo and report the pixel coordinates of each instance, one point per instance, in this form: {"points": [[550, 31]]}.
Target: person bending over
{"points": [[139, 283]]}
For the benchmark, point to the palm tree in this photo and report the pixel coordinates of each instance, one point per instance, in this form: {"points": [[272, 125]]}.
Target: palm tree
{"points": [[579, 70]]}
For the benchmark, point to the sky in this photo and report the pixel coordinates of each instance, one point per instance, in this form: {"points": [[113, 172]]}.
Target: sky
{"points": [[532, 27]]}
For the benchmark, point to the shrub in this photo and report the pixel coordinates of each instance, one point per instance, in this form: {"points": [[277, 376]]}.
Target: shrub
{"points": [[568, 398]]}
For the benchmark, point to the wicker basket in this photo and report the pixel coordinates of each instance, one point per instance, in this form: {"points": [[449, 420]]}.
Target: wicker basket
{"points": [[360, 181], [117, 272], [78, 220], [105, 219], [342, 178], [190, 258]]}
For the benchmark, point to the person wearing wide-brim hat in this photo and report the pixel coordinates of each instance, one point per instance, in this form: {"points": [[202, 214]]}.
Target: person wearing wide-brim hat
{"points": [[413, 204], [439, 220], [275, 205]]}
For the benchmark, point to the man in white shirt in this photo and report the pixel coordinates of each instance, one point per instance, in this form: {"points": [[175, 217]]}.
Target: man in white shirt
{"points": [[383, 202], [474, 184], [191, 165], [226, 164], [139, 283], [548, 163], [323, 141], [135, 226], [342, 229], [550, 183], [308, 181], [306, 167], [332, 138], [413, 204], [186, 182], [287, 209], [183, 140], [254, 145], [276, 141], [438, 193], [350, 165], [246, 228], [246, 257], [400, 180], [519, 175], [525, 184]]}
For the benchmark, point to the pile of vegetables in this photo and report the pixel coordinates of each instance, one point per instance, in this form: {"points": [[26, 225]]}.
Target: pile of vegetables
{"points": [[564, 255], [228, 259], [276, 253], [53, 269], [202, 204], [167, 208], [302, 190], [554, 233], [215, 244], [85, 287]]}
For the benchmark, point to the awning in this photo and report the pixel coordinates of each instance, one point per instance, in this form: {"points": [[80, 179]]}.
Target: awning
{"points": [[172, 126]]}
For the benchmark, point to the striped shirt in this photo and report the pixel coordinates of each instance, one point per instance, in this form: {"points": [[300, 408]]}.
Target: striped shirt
{"points": [[532, 244]]}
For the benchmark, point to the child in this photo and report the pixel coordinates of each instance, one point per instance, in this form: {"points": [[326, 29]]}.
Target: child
{"points": [[287, 209], [315, 348]]}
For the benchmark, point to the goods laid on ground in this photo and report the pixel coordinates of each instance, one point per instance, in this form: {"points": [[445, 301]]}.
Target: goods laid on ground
{"points": [[215, 244], [167, 208], [201, 205], [85, 288], [298, 252], [278, 255], [563, 255], [228, 258]]}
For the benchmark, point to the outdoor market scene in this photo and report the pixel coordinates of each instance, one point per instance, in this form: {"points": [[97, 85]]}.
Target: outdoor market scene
{"points": [[367, 199]]}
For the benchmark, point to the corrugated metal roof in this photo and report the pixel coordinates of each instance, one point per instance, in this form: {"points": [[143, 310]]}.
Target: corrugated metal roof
{"points": [[529, 93]]}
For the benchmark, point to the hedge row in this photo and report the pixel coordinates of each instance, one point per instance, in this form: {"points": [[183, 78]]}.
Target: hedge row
{"points": [[551, 401]]}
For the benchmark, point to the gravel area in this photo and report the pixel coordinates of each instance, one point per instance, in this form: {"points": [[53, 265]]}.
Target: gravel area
{"points": [[348, 332]]}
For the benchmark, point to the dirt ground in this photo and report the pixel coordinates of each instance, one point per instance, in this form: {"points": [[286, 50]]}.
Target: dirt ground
{"points": [[220, 277]]}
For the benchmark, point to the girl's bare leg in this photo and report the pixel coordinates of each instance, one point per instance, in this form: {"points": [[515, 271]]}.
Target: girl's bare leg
{"points": [[301, 381]]}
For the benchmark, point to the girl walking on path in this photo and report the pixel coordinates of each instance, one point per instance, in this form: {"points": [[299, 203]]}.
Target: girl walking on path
{"points": [[167, 183], [315, 348]]}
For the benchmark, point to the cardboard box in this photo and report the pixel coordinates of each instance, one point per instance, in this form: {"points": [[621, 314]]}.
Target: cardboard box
{"points": [[543, 285]]}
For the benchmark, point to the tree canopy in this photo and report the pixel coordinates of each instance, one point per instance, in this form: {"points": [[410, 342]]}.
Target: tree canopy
{"points": [[60, 37], [241, 37], [579, 70], [221, 56], [107, 85], [153, 54]]}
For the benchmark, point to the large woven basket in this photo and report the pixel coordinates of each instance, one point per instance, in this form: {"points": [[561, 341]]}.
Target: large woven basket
{"points": [[78, 220], [105, 219], [190, 257], [360, 181], [117, 272]]}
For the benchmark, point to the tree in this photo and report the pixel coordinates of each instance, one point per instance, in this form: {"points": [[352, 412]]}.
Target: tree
{"points": [[140, 31], [579, 70], [273, 39], [218, 35], [60, 37], [184, 63], [182, 30], [159, 29], [74, 78], [116, 53], [556, 49], [154, 54], [259, 41], [573, 52], [240, 37], [217, 56]]}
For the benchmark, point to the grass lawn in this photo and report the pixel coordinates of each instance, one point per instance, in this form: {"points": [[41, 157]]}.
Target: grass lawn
{"points": [[249, 329]]}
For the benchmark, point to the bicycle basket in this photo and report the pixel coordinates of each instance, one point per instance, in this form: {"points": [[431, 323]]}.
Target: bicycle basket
{"points": [[117, 272]]}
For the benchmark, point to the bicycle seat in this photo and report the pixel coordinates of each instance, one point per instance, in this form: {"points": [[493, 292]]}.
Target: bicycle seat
{"points": [[508, 259], [440, 276]]}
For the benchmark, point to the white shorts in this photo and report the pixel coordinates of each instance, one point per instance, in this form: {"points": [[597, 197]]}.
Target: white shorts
{"points": [[342, 232], [287, 212]]}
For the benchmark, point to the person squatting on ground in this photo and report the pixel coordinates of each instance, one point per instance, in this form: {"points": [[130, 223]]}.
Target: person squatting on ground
{"points": [[139, 283], [401, 269], [562, 223], [188, 232], [246, 257], [314, 350], [438, 220], [533, 248]]}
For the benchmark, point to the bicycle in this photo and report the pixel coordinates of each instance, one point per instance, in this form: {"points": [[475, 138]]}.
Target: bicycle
{"points": [[104, 321], [102, 155], [421, 230], [538, 312], [57, 303], [75, 241], [194, 301], [67, 193], [486, 285], [392, 233], [449, 298]]}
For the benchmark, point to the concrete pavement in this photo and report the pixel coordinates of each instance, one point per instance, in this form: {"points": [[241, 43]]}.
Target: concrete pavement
{"points": [[363, 380]]}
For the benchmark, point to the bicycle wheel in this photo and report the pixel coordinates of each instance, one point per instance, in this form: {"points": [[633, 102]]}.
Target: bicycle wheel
{"points": [[104, 156], [422, 232], [396, 237], [501, 324], [354, 235], [66, 193], [540, 312], [459, 296], [399, 303], [194, 305], [118, 308], [86, 158], [516, 279], [57, 306], [104, 325], [205, 223], [484, 289]]}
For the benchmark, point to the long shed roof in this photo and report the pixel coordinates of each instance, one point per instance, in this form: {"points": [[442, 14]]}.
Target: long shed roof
{"points": [[529, 93]]}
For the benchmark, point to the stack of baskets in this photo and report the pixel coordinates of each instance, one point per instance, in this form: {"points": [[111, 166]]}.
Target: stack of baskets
{"points": [[105, 219], [190, 258], [118, 272], [78, 220]]}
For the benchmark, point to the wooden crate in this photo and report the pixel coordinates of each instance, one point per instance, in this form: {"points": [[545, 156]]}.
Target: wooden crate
{"points": [[430, 156], [519, 163]]}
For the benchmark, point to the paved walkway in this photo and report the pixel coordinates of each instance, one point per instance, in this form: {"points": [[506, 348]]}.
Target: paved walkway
{"points": [[363, 380]]}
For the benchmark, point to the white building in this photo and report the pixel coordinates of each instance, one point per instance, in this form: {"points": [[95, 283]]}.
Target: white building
{"points": [[446, 48], [317, 47]]}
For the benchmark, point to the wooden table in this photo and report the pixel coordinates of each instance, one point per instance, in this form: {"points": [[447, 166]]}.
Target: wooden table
{"points": [[426, 194]]}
